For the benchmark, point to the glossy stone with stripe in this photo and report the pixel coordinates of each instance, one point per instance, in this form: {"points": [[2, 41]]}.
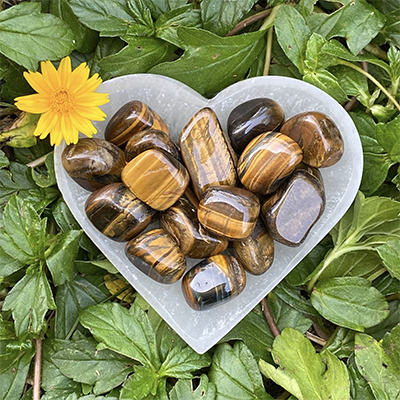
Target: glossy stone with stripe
{"points": [[156, 178], [117, 213], [207, 153], [150, 139], [229, 212], [131, 118], [291, 212], [157, 255], [93, 163], [318, 136], [213, 281], [267, 160], [181, 222], [252, 118], [256, 252]]}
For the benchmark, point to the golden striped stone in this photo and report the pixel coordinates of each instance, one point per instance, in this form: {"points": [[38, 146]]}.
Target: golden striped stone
{"points": [[116, 212], [213, 281], [228, 212], [181, 222], [156, 255], [131, 118], [207, 153], [267, 160], [156, 178]]}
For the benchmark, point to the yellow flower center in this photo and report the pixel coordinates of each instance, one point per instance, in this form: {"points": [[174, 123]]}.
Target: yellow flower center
{"points": [[62, 101]]}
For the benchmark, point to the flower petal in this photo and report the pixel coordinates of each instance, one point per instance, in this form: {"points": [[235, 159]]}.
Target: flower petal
{"points": [[90, 85], [92, 99], [78, 77], [33, 103], [69, 131], [50, 74], [93, 113], [56, 134], [38, 83], [84, 125], [64, 70]]}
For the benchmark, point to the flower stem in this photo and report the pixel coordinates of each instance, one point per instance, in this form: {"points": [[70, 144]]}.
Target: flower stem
{"points": [[37, 370], [268, 51], [270, 20], [269, 317]]}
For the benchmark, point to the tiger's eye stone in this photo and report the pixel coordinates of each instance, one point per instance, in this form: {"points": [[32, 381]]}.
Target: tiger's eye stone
{"points": [[93, 163], [150, 139], [207, 153], [266, 161], [213, 281], [157, 255], [229, 212], [181, 222], [291, 212], [116, 212], [252, 118], [156, 178], [131, 118], [318, 136], [256, 252]]}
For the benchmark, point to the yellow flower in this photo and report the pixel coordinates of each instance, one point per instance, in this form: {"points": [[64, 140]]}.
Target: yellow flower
{"points": [[66, 99]]}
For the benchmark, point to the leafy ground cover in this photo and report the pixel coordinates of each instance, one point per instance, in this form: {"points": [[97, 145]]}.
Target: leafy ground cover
{"points": [[71, 328]]}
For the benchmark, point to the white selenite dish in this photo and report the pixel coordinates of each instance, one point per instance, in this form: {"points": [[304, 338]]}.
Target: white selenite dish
{"points": [[176, 103]]}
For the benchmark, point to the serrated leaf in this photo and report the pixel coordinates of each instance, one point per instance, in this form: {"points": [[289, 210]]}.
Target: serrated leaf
{"points": [[184, 389], [235, 374], [141, 13], [47, 178], [303, 372], [144, 382], [127, 333], [29, 300], [350, 302], [315, 57]]}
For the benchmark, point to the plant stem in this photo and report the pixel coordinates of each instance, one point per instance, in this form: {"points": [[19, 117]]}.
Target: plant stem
{"points": [[268, 51], [376, 51], [270, 20], [350, 104], [37, 370], [248, 21], [269, 317], [38, 162], [392, 297], [371, 78], [316, 339]]}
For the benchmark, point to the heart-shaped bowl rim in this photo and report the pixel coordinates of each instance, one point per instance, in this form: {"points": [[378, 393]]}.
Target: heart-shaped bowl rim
{"points": [[176, 103]]}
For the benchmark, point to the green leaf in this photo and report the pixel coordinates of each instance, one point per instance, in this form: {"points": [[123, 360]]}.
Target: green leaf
{"points": [[26, 36], [82, 362], [210, 63], [61, 260], [139, 56], [350, 302], [388, 137], [303, 372], [387, 6], [235, 374], [379, 364], [126, 332], [293, 34], [390, 254], [141, 13], [46, 178], [380, 330], [4, 161], [359, 388], [306, 7], [29, 300], [142, 383], [315, 57], [386, 284], [341, 343], [184, 389], [394, 63], [221, 16]]}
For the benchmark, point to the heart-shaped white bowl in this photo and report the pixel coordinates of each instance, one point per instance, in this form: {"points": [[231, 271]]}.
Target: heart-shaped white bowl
{"points": [[176, 103]]}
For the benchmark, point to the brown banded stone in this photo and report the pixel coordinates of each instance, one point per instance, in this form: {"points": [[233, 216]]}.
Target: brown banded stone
{"points": [[213, 281], [150, 139], [156, 255], [116, 212], [228, 212], [292, 211], [256, 252], [318, 136], [252, 118], [181, 222], [266, 161], [156, 178], [207, 153], [93, 163], [133, 117]]}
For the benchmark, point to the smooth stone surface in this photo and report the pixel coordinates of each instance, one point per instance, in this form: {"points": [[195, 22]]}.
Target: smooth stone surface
{"points": [[266, 161], [156, 254], [213, 281], [229, 212], [292, 211], [116, 212], [150, 139], [181, 222], [252, 118], [176, 103], [318, 136], [207, 153], [93, 163], [156, 178], [256, 252], [133, 117]]}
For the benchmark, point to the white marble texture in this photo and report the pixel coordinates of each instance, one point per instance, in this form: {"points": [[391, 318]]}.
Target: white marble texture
{"points": [[176, 104]]}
